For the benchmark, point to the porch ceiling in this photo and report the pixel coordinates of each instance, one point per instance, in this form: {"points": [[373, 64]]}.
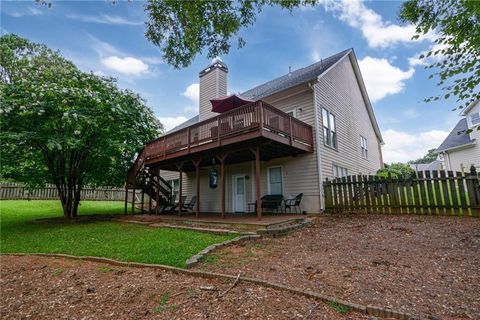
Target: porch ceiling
{"points": [[237, 153]]}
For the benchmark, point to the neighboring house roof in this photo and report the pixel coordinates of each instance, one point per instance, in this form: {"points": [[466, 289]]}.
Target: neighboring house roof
{"points": [[457, 138], [434, 165], [293, 78]]}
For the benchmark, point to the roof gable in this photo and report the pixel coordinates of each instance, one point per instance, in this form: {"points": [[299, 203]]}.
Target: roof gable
{"points": [[294, 78], [457, 137]]}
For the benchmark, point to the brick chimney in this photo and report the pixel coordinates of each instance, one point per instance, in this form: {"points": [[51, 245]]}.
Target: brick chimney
{"points": [[213, 84]]}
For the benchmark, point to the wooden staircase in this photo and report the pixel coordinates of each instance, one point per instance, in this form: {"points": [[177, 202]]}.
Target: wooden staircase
{"points": [[147, 179]]}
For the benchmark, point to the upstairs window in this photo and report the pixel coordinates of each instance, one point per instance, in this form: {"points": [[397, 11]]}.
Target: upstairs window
{"points": [[339, 172], [364, 147], [475, 118], [329, 129]]}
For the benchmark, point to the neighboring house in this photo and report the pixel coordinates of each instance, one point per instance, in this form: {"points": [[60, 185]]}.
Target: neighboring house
{"points": [[461, 149], [434, 165], [308, 125]]}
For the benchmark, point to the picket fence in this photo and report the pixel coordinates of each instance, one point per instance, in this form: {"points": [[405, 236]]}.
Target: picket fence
{"points": [[14, 191], [429, 193]]}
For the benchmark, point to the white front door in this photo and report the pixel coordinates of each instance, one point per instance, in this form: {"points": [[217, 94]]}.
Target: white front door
{"points": [[239, 193]]}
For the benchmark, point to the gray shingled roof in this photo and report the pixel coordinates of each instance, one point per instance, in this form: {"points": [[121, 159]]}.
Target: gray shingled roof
{"points": [[293, 78], [434, 165], [457, 137], [185, 124], [281, 83]]}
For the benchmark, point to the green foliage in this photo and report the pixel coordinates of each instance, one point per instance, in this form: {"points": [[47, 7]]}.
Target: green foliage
{"points": [[397, 170], [163, 303], [121, 241], [64, 126], [183, 29], [429, 157], [457, 51], [340, 308]]}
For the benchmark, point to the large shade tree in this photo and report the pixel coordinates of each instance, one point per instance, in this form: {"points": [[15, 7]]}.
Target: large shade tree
{"points": [[63, 126], [455, 57]]}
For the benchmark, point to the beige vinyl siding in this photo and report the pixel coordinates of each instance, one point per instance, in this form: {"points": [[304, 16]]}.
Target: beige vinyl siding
{"points": [[300, 173], [462, 159], [212, 85], [187, 182], [338, 92], [465, 157]]}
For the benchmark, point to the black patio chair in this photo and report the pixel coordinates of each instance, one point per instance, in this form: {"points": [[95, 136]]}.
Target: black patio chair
{"points": [[189, 206], [294, 203], [174, 206]]}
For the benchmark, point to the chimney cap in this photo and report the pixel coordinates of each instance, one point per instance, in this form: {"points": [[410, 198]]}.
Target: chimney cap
{"points": [[216, 63]]}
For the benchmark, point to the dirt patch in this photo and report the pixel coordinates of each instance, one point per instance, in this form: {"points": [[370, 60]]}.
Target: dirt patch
{"points": [[53, 288], [427, 266]]}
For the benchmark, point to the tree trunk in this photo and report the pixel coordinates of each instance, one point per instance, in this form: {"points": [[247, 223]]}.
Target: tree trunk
{"points": [[70, 199]]}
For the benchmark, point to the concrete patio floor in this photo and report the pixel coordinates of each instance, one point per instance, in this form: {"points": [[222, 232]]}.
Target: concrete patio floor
{"points": [[247, 219]]}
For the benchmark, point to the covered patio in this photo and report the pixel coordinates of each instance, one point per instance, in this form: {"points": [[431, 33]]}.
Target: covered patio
{"points": [[255, 132]]}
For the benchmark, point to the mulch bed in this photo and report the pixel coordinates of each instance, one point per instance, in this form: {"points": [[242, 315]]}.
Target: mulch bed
{"points": [[57, 288], [425, 266]]}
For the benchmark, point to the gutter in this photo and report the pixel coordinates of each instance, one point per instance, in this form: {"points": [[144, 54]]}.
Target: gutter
{"points": [[317, 142], [463, 146]]}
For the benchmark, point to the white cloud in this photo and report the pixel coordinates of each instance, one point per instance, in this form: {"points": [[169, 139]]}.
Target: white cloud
{"points": [[377, 32], [402, 146], [417, 61], [411, 113], [105, 19], [315, 55], [381, 78], [192, 92], [171, 122], [31, 11], [190, 109], [127, 65]]}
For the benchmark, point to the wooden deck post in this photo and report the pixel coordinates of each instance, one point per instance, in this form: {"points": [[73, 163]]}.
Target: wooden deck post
{"points": [[143, 198], [133, 201], [180, 204], [157, 193], [221, 158], [126, 198], [150, 198], [196, 162], [256, 152]]}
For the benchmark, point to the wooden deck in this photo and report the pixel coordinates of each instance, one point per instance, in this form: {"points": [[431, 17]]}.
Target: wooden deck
{"points": [[257, 123]]}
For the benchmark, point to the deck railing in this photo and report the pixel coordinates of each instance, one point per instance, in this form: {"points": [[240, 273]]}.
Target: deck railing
{"points": [[251, 117]]}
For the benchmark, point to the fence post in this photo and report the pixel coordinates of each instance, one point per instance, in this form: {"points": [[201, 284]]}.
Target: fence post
{"points": [[473, 188]]}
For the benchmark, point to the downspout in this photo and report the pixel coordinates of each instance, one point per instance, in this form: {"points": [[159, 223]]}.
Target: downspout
{"points": [[317, 149]]}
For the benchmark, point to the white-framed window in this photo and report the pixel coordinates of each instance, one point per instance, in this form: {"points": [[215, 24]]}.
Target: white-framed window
{"points": [[329, 129], [275, 180], [339, 171], [364, 147], [292, 112], [475, 118], [175, 183]]}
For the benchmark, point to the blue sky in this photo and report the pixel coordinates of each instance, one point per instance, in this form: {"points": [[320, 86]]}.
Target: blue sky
{"points": [[109, 39]]}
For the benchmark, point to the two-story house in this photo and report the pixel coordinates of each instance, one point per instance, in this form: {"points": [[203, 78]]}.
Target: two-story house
{"points": [[461, 149], [285, 137]]}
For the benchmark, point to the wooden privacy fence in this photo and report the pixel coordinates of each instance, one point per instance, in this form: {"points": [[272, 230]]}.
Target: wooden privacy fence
{"points": [[429, 193], [49, 192]]}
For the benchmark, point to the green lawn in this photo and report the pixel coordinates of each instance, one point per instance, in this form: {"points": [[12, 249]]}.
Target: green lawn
{"points": [[121, 241]]}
